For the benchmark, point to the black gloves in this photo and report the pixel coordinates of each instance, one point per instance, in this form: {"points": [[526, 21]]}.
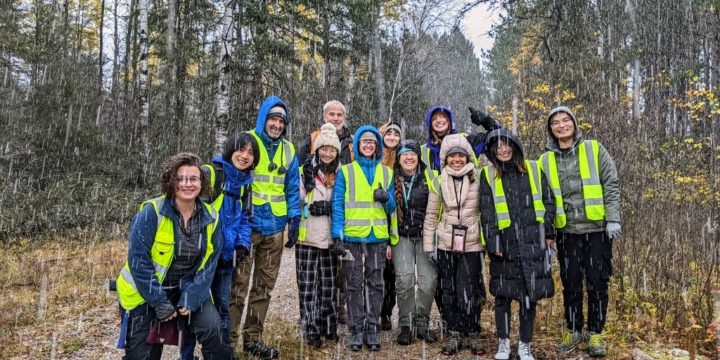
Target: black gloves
{"points": [[480, 118], [293, 232], [320, 208], [241, 253], [338, 249], [164, 311], [381, 195], [308, 174]]}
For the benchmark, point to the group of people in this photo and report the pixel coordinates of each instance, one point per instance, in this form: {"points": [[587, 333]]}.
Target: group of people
{"points": [[375, 220]]}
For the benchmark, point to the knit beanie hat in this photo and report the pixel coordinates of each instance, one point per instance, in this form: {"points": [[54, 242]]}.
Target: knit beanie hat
{"points": [[391, 126], [277, 111], [456, 150], [368, 135], [328, 137]]}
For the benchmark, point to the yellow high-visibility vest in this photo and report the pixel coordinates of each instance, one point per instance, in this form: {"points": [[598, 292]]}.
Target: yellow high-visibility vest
{"points": [[269, 185], [502, 212], [161, 253], [362, 213], [589, 164]]}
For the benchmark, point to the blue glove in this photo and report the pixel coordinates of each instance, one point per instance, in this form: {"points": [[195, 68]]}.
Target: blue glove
{"points": [[613, 229], [293, 232]]}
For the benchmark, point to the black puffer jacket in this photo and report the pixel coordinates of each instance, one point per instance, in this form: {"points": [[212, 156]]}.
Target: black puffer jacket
{"points": [[522, 269], [412, 215]]}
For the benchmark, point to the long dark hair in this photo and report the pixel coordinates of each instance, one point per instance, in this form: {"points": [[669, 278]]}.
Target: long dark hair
{"points": [[329, 170], [168, 176], [239, 142], [517, 158]]}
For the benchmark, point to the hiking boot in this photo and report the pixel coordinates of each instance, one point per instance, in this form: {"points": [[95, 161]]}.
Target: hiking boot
{"points": [[472, 341], [423, 333], [504, 350], [570, 341], [451, 345], [260, 350], [372, 339], [405, 337], [356, 341], [596, 347], [525, 351], [314, 342], [385, 323], [331, 337]]}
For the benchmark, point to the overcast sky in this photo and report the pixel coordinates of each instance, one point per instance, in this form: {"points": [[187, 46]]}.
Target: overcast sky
{"points": [[477, 24]]}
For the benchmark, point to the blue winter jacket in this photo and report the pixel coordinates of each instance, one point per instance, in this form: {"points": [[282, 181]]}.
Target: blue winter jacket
{"points": [[233, 220], [263, 220], [338, 195], [194, 286]]}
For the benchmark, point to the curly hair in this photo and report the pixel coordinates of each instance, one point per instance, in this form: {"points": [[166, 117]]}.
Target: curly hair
{"points": [[168, 175]]}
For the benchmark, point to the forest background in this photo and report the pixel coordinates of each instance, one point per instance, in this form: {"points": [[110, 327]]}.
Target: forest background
{"points": [[83, 131]]}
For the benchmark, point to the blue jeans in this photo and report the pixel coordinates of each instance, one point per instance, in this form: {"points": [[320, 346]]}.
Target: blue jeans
{"points": [[220, 289]]}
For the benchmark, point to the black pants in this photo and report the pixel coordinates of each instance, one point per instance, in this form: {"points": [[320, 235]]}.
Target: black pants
{"points": [[585, 257], [389, 296], [461, 289], [364, 286], [502, 318], [204, 324]]}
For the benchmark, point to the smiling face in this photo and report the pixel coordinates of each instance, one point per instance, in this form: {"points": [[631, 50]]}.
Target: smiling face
{"points": [[274, 126], [408, 162], [457, 161], [440, 123], [367, 148], [187, 183], [243, 158], [327, 154], [504, 151], [391, 139], [335, 115], [562, 127]]}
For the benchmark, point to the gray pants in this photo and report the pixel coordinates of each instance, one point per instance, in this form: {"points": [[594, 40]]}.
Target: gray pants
{"points": [[408, 257], [364, 285]]}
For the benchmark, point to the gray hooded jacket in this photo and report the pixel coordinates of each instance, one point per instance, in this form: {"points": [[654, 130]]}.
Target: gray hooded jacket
{"points": [[571, 184]]}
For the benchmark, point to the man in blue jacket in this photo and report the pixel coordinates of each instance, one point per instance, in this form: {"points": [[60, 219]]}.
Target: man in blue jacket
{"points": [[363, 221], [276, 203]]}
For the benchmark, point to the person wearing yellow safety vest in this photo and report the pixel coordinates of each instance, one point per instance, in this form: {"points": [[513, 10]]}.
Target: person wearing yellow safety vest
{"points": [[455, 244], [585, 183], [517, 211], [315, 265], [164, 286], [363, 222], [276, 204], [230, 181], [412, 188]]}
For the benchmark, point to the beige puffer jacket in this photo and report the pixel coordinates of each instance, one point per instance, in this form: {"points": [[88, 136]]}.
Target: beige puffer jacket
{"points": [[469, 202], [318, 227]]}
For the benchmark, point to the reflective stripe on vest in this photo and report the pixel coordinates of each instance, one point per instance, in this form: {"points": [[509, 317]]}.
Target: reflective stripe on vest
{"points": [[425, 158], [161, 253], [269, 186], [589, 164], [362, 213], [302, 233], [502, 212]]}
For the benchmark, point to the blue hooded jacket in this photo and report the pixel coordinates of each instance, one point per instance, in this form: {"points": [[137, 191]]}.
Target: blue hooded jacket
{"points": [[194, 286], [263, 220], [233, 221], [368, 168], [477, 141]]}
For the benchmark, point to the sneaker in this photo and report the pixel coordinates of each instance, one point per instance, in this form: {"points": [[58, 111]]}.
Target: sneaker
{"points": [[525, 351], [372, 339], [504, 350], [570, 341], [260, 350], [427, 335], [385, 323], [596, 347], [473, 342], [451, 345], [405, 337], [356, 341]]}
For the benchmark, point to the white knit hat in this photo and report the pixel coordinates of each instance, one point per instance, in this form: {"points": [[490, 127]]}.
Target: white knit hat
{"points": [[328, 137]]}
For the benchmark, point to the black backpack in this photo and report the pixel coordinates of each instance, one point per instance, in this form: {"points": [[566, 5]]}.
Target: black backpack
{"points": [[217, 187]]}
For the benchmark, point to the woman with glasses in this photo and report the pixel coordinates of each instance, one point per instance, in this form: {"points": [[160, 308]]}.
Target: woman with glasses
{"points": [[412, 265], [164, 287]]}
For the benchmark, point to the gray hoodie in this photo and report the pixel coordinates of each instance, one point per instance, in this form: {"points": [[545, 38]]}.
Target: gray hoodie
{"points": [[571, 184]]}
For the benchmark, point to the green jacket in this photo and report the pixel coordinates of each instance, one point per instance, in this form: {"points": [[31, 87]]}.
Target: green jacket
{"points": [[571, 186]]}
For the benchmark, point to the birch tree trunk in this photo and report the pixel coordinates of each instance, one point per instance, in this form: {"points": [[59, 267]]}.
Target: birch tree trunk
{"points": [[222, 98], [143, 100], [100, 56], [379, 75]]}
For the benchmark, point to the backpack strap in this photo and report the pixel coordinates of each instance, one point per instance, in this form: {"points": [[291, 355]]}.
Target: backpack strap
{"points": [[217, 180]]}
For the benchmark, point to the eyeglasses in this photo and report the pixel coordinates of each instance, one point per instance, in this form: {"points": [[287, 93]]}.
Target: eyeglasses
{"points": [[194, 180]]}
